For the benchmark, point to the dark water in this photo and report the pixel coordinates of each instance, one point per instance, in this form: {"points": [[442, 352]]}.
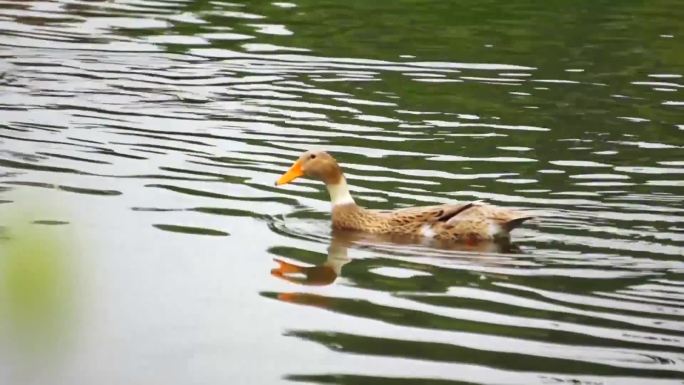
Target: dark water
{"points": [[151, 132]]}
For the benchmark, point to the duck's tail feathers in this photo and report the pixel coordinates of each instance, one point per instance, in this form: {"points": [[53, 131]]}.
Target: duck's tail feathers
{"points": [[514, 223]]}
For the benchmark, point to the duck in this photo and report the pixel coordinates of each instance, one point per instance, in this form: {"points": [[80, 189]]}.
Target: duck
{"points": [[461, 222]]}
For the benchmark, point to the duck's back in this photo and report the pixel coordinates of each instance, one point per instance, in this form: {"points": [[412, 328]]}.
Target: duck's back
{"points": [[465, 221]]}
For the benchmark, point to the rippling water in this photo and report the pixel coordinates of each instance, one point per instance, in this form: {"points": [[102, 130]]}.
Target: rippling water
{"points": [[152, 132]]}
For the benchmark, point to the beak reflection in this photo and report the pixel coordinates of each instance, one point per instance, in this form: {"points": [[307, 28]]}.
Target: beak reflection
{"points": [[319, 275]]}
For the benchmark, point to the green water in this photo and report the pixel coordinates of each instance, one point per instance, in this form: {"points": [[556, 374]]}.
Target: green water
{"points": [[140, 141]]}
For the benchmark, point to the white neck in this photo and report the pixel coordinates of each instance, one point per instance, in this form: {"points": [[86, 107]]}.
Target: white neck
{"points": [[339, 193]]}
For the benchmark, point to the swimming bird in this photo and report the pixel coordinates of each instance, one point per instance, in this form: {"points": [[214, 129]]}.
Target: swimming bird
{"points": [[468, 222]]}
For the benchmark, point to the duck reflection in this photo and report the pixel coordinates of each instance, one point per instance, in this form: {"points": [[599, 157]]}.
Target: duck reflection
{"points": [[319, 275], [327, 272]]}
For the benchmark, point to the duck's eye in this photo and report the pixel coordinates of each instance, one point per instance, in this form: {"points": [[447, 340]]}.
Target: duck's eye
{"points": [[312, 156]]}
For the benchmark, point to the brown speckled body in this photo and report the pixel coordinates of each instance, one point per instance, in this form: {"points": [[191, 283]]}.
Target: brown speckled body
{"points": [[460, 222]]}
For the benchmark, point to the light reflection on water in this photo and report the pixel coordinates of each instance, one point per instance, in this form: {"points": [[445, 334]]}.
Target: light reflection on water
{"points": [[159, 128]]}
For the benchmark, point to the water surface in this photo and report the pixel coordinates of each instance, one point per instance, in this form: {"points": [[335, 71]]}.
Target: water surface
{"points": [[150, 133]]}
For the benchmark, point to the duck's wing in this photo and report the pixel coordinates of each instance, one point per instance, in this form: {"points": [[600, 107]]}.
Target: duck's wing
{"points": [[484, 221], [425, 215]]}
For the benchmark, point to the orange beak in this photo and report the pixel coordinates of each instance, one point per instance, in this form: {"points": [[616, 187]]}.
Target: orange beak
{"points": [[293, 173]]}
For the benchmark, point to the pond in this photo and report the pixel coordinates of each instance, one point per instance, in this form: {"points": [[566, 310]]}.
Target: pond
{"points": [[140, 142]]}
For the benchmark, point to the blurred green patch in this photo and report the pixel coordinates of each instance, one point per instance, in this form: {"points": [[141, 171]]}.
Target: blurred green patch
{"points": [[36, 286]]}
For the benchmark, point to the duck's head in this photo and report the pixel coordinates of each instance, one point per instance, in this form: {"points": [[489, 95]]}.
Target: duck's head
{"points": [[313, 164]]}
